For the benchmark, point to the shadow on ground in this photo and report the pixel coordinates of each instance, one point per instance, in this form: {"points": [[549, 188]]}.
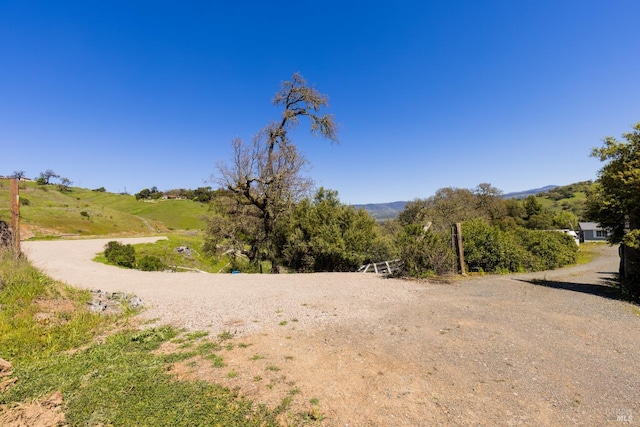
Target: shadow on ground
{"points": [[607, 289]]}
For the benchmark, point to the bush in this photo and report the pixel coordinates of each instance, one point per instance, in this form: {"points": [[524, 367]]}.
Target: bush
{"points": [[119, 254], [325, 235], [549, 249], [491, 249], [425, 253], [151, 263]]}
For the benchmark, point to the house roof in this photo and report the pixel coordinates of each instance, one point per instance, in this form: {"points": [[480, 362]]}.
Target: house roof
{"points": [[589, 226]]}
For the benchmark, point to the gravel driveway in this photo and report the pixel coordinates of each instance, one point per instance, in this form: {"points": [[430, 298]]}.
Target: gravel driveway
{"points": [[494, 350]]}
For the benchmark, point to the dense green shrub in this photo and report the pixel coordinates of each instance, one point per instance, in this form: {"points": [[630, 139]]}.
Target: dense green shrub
{"points": [[549, 249], [495, 250], [425, 253], [325, 235], [490, 249], [119, 254], [151, 263]]}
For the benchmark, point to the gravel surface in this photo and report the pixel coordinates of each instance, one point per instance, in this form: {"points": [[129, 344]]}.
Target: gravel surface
{"points": [[493, 350]]}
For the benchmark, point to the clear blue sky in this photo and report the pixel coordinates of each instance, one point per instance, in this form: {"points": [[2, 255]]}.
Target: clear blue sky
{"points": [[428, 94]]}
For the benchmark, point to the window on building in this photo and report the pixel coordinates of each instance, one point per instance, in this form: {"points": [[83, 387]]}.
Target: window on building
{"points": [[601, 233]]}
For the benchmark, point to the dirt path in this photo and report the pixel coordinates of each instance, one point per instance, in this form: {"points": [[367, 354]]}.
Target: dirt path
{"points": [[383, 352]]}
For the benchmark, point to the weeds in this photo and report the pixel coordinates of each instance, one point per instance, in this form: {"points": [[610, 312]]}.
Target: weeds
{"points": [[120, 380], [196, 335], [226, 335]]}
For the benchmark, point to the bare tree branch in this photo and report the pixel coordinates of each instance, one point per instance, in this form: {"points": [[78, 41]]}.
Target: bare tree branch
{"points": [[268, 174]]}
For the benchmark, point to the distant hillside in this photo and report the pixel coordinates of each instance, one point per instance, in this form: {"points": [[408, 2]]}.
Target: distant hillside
{"points": [[527, 193], [572, 197], [569, 197], [383, 211], [46, 211]]}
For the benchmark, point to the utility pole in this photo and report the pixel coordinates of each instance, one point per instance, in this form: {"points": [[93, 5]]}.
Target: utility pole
{"points": [[14, 190]]}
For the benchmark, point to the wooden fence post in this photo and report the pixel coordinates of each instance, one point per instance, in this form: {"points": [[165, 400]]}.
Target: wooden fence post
{"points": [[459, 248], [14, 191]]}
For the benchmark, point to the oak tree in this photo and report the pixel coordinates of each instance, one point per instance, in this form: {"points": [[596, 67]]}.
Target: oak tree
{"points": [[615, 201], [266, 177]]}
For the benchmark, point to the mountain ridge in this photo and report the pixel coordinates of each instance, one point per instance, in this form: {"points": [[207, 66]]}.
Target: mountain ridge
{"points": [[390, 210]]}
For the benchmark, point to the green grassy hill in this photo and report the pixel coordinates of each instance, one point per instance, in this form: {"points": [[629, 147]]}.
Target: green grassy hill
{"points": [[571, 198], [45, 211]]}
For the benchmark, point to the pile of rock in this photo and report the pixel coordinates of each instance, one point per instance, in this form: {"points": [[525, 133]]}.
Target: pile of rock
{"points": [[184, 250], [112, 302]]}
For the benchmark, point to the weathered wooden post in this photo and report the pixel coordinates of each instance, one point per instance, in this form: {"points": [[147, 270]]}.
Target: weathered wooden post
{"points": [[14, 191], [459, 248]]}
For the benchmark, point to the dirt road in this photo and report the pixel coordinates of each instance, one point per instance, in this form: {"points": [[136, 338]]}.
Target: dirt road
{"points": [[369, 351]]}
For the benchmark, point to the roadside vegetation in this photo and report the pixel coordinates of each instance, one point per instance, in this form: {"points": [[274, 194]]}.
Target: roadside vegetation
{"points": [[178, 252], [108, 370], [315, 234], [47, 212], [264, 216]]}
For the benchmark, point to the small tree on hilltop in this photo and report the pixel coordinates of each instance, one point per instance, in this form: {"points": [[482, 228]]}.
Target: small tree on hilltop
{"points": [[65, 185], [46, 177], [18, 175]]}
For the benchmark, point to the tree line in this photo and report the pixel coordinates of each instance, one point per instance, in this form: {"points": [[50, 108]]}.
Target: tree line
{"points": [[265, 212]]}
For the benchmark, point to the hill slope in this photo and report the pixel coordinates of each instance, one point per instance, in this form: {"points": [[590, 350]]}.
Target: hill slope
{"points": [[45, 211]]}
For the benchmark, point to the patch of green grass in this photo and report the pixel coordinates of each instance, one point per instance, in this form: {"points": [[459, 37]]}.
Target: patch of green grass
{"points": [[272, 368], [197, 334], [232, 374], [283, 323], [294, 391], [133, 388], [164, 250], [23, 292], [313, 415], [84, 212], [178, 357], [208, 347], [226, 335], [120, 380], [257, 357], [218, 361], [195, 259], [586, 253]]}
